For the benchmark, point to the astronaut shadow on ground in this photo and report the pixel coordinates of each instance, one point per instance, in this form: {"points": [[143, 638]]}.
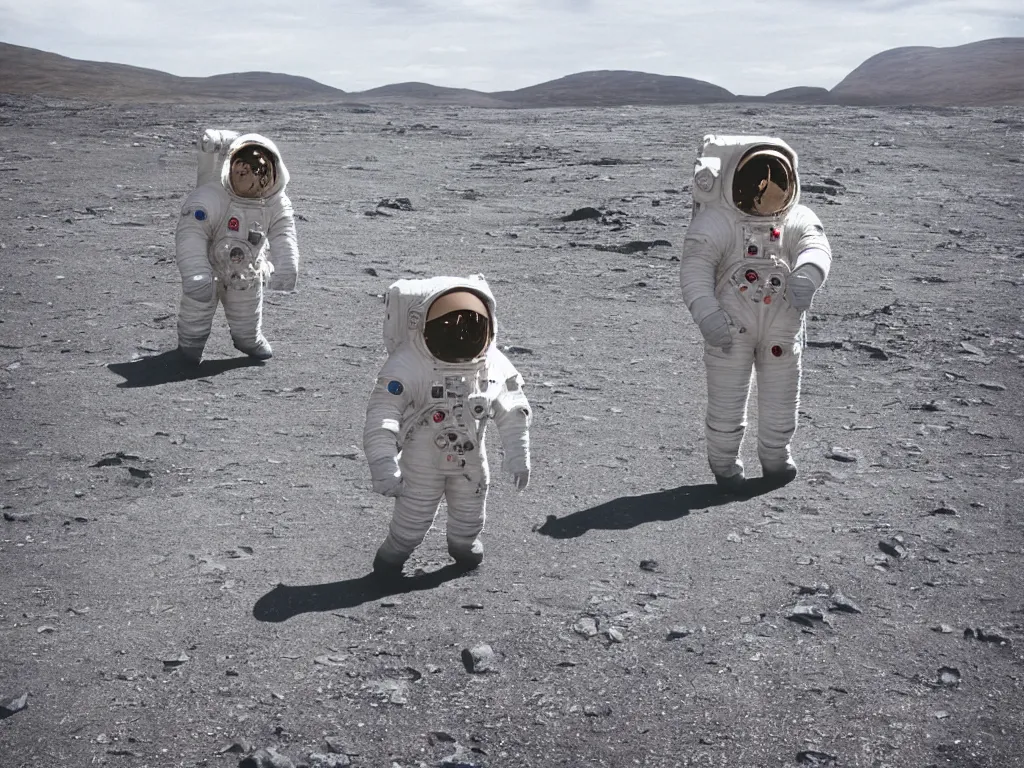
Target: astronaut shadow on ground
{"points": [[168, 367], [663, 506], [284, 602]]}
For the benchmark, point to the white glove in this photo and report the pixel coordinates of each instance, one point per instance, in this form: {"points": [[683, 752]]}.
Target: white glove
{"points": [[801, 291], [387, 477], [199, 288], [715, 329]]}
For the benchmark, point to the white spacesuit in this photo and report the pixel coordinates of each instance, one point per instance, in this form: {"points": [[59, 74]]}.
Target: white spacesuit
{"points": [[235, 233], [443, 381], [752, 260]]}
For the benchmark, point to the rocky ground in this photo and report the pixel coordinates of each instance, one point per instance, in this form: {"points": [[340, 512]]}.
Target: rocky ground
{"points": [[185, 556]]}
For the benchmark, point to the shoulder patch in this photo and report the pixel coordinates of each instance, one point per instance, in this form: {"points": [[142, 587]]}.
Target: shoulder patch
{"points": [[200, 214], [395, 387]]}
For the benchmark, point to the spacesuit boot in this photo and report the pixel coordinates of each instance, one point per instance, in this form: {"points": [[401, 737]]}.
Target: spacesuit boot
{"points": [[258, 350]]}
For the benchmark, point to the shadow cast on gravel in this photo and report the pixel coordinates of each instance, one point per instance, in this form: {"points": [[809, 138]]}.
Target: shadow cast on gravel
{"points": [[169, 367], [630, 511], [283, 602]]}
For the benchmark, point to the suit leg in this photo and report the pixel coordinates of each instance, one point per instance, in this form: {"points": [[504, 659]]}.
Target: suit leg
{"points": [[244, 312], [728, 380], [195, 319], [467, 513]]}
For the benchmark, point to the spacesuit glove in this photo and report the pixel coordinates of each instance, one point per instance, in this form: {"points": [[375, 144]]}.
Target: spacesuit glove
{"points": [[199, 287], [387, 477], [715, 329], [801, 291]]}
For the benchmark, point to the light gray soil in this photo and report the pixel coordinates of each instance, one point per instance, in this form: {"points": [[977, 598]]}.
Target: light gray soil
{"points": [[209, 587]]}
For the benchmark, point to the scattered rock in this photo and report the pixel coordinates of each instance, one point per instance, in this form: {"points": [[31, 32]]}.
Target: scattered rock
{"points": [[968, 347], [115, 459], [320, 760], [649, 565], [944, 510], [840, 602], [993, 386], [582, 214], [370, 271], [949, 677], [841, 454], [634, 246], [397, 203], [9, 707], [987, 636], [587, 626], [944, 629], [678, 632], [266, 758], [807, 615], [176, 661], [816, 758], [894, 547], [237, 747], [513, 349], [615, 635], [18, 517], [479, 659]]}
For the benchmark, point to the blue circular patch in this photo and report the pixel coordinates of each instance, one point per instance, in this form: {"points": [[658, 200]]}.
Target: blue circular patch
{"points": [[200, 214], [395, 387]]}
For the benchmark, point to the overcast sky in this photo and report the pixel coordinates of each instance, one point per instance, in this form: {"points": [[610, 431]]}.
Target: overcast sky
{"points": [[749, 47]]}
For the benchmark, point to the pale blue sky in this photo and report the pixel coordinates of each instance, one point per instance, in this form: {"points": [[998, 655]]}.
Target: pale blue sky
{"points": [[750, 47]]}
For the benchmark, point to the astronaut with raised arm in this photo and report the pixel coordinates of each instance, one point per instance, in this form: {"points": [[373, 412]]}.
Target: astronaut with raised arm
{"points": [[236, 233], [752, 260], [443, 381]]}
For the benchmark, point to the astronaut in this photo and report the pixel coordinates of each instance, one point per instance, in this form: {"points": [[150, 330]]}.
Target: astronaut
{"points": [[443, 382], [752, 260], [236, 233]]}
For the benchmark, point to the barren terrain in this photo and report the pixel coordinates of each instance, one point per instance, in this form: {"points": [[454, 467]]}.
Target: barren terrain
{"points": [[184, 557]]}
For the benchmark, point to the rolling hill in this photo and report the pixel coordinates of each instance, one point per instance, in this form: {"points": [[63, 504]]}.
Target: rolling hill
{"points": [[985, 73]]}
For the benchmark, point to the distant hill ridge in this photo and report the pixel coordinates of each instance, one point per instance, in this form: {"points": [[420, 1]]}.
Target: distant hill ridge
{"points": [[985, 73]]}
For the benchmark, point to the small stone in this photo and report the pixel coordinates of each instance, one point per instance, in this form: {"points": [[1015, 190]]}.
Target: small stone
{"points": [[9, 707], [994, 386], [949, 677], [840, 602], [944, 629], [940, 715], [679, 631], [320, 760], [894, 547], [587, 626], [175, 661], [615, 635], [478, 659], [815, 758], [18, 517], [649, 565], [266, 758], [808, 615], [237, 747], [841, 454], [944, 510]]}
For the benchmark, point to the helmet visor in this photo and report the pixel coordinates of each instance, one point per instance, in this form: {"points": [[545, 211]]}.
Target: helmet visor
{"points": [[252, 171], [764, 183]]}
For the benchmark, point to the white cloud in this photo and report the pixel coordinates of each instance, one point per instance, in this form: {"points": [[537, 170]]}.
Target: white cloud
{"points": [[746, 46]]}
